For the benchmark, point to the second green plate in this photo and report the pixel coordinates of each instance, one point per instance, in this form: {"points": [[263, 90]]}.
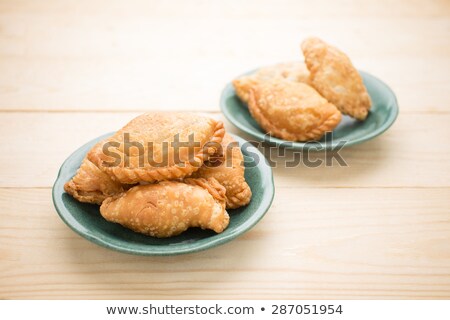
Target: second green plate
{"points": [[349, 132]]}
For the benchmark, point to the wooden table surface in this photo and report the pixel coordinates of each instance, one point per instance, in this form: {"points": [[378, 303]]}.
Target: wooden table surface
{"points": [[73, 70]]}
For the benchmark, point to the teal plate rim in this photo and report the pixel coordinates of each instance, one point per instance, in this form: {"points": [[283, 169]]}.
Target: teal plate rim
{"points": [[265, 195], [374, 87]]}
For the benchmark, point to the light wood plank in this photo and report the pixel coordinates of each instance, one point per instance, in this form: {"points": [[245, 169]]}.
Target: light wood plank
{"points": [[185, 84], [232, 9], [89, 36], [328, 243], [91, 56], [36, 144]]}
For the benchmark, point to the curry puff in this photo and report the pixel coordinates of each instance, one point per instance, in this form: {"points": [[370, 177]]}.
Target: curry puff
{"points": [[92, 185], [158, 146], [227, 167], [333, 75], [145, 175], [290, 71], [168, 208], [292, 110]]}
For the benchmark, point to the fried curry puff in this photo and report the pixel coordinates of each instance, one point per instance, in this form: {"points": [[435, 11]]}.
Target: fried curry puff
{"points": [[157, 175], [228, 169], [299, 101], [333, 75], [292, 111], [168, 208], [146, 148]]}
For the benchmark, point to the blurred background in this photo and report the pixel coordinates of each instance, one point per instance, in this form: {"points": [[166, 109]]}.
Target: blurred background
{"points": [[178, 55]]}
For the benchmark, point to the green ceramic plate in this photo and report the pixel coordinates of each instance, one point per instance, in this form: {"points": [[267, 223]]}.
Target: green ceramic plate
{"points": [[382, 115], [85, 219]]}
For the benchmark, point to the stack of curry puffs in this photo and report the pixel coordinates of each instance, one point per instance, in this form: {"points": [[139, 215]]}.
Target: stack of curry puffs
{"points": [[302, 101], [158, 189]]}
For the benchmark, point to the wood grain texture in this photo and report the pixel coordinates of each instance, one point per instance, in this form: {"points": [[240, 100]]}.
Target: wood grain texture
{"points": [[399, 158], [87, 55], [73, 70], [372, 243]]}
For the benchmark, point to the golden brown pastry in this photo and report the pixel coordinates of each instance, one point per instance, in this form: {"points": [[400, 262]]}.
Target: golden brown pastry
{"points": [[150, 154], [168, 208], [335, 78], [228, 169], [292, 110], [292, 71], [92, 185]]}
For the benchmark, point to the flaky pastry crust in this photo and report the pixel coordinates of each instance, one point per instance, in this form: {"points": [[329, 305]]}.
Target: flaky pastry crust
{"points": [[92, 185], [228, 170], [168, 208], [156, 162], [333, 75], [291, 71], [292, 111]]}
